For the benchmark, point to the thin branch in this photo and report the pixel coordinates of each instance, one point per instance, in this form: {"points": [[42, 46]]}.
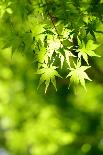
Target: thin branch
{"points": [[53, 23]]}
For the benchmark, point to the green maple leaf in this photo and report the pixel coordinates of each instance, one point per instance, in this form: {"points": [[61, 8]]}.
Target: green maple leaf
{"points": [[87, 50], [78, 75], [48, 75]]}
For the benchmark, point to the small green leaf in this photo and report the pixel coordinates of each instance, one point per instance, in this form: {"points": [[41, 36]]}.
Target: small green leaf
{"points": [[87, 50], [78, 75], [48, 75]]}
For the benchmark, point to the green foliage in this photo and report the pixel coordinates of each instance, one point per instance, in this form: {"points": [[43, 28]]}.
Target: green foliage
{"points": [[78, 74], [58, 41], [55, 31]]}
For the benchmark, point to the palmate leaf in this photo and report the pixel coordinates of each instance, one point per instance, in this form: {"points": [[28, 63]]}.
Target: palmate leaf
{"points": [[78, 75], [48, 75], [87, 50]]}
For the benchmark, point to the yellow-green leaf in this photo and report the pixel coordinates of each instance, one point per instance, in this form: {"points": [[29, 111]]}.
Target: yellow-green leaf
{"points": [[48, 74]]}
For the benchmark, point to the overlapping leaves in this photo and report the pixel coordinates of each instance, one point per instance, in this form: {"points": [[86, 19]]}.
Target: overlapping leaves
{"points": [[52, 29]]}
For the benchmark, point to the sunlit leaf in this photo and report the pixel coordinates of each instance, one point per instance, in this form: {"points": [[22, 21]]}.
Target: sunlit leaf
{"points": [[87, 50], [48, 75], [78, 75]]}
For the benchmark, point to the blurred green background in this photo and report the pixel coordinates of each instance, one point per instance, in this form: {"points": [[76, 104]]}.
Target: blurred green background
{"points": [[56, 123]]}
